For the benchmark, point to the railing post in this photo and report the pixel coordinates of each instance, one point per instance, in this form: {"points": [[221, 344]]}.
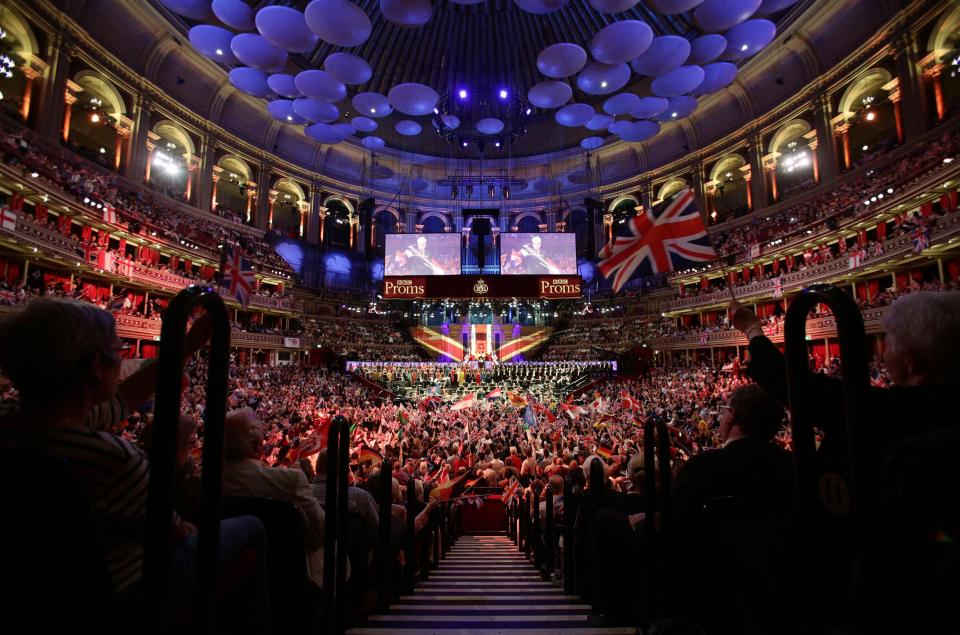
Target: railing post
{"points": [[548, 544], [570, 505], [522, 505], [160, 500], [410, 543], [335, 457], [383, 536], [535, 528]]}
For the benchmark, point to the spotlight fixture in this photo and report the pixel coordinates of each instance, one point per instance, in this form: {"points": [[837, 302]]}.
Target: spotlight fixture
{"points": [[462, 93], [503, 93], [871, 116]]}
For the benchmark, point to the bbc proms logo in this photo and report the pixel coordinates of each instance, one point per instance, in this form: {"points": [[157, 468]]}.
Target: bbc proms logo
{"points": [[403, 287], [559, 287]]}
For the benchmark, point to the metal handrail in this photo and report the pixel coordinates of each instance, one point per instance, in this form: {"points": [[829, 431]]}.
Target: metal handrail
{"points": [[804, 405], [334, 554], [160, 502], [383, 535]]}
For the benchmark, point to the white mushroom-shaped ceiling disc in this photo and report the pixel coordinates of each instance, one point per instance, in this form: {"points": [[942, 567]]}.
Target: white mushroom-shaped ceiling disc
{"points": [[253, 50], [650, 107], [450, 121], [408, 128], [707, 48], [748, 38], [552, 94], [320, 85], [348, 68], [574, 115], [236, 14], [679, 81], [666, 53], [679, 108], [603, 79], [285, 28], [599, 121], [193, 9], [413, 99], [283, 84], [621, 41], [612, 6], [721, 15], [541, 6], [373, 143], [591, 143], [364, 124], [621, 104], [407, 13], [372, 104], [282, 110], [213, 41], [338, 22], [250, 80], [672, 7], [561, 60], [490, 125], [315, 110]]}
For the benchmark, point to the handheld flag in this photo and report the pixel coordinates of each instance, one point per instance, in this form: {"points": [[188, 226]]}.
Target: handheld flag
{"points": [[369, 454], [605, 452], [493, 394], [237, 274], [510, 491], [529, 419], [921, 238], [516, 400], [671, 236], [467, 402]]}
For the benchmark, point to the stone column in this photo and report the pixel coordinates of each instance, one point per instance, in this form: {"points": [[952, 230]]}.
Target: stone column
{"points": [[205, 183], [757, 182], [826, 148], [911, 85], [136, 159], [51, 98]]}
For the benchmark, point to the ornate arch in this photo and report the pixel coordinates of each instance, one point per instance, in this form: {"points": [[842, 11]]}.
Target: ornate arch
{"points": [[19, 28], [389, 210], [236, 164], [863, 84], [96, 84], [671, 187], [726, 163], [438, 215], [946, 26], [289, 186], [339, 199], [787, 133], [623, 198], [171, 130], [529, 214], [570, 209]]}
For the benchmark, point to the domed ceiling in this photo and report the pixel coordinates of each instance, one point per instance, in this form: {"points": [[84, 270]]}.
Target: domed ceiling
{"points": [[468, 78]]}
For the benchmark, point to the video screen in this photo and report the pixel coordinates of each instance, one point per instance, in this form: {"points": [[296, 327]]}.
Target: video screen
{"points": [[538, 254], [422, 255]]}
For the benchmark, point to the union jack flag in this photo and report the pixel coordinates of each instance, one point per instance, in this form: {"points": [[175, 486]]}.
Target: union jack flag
{"points": [[236, 274], [703, 338], [778, 287], [669, 237], [921, 239], [510, 491]]}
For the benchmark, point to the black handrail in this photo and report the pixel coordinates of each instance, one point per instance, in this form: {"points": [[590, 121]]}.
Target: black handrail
{"points": [[548, 544], [598, 483], [335, 511], [804, 405], [570, 505], [383, 536], [535, 533], [649, 474], [521, 527], [664, 457], [410, 543], [156, 558], [339, 606]]}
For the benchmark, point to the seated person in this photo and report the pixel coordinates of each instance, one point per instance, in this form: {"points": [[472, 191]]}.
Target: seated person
{"points": [[244, 474], [64, 358]]}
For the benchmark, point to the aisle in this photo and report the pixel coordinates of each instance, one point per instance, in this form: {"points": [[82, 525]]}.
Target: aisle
{"points": [[486, 587]]}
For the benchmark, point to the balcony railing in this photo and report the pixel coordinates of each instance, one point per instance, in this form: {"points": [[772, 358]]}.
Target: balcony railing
{"points": [[897, 248], [817, 328]]}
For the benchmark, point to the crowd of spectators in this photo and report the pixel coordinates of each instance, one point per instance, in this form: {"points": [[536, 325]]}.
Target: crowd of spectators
{"points": [[842, 203], [137, 210]]}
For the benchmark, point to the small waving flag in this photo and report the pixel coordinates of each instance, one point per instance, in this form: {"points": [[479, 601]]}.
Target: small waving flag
{"points": [[237, 274], [467, 402], [517, 401]]}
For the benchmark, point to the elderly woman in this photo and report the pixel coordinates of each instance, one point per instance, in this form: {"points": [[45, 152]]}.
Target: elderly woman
{"points": [[64, 358]]}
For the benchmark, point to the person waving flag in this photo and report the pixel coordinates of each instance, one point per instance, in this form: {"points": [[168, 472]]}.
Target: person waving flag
{"points": [[237, 275], [670, 237]]}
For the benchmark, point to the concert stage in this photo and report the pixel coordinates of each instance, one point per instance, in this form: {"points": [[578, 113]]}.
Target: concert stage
{"points": [[455, 341]]}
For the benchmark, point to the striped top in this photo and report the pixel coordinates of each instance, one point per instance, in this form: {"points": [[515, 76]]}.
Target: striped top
{"points": [[114, 473]]}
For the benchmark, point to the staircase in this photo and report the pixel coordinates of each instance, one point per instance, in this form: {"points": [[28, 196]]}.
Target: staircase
{"points": [[486, 587]]}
